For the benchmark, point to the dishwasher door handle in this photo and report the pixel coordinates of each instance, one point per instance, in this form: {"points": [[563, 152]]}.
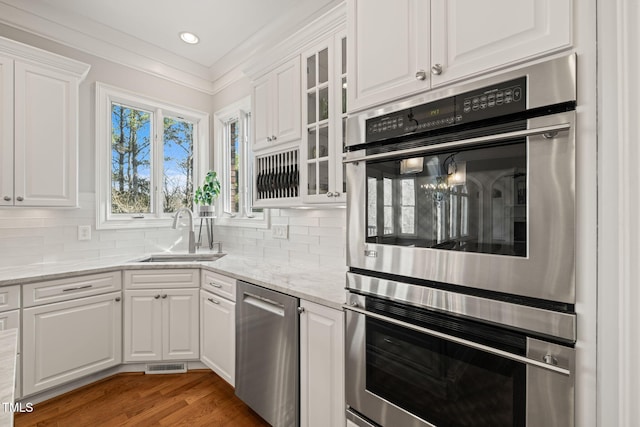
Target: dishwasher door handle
{"points": [[263, 303]]}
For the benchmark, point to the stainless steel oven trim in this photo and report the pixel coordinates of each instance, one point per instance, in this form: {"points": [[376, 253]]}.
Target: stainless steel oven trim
{"points": [[356, 156], [462, 341], [546, 322], [547, 273], [549, 394], [559, 74]]}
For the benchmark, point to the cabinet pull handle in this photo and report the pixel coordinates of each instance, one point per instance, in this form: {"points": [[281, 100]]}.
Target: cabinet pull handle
{"points": [[421, 75], [7, 198], [215, 285], [77, 288], [213, 301], [19, 198], [164, 296], [436, 70]]}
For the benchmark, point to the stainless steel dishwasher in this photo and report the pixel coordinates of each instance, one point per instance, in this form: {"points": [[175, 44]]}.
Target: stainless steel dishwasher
{"points": [[267, 353]]}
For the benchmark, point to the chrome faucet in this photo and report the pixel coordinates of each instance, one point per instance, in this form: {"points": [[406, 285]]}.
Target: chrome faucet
{"points": [[192, 235]]}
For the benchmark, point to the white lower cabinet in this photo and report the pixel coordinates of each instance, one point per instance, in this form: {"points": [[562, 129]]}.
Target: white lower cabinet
{"points": [[322, 401], [161, 324], [218, 335], [67, 340], [11, 320]]}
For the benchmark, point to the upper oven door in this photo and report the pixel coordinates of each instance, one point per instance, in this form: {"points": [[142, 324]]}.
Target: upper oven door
{"points": [[493, 212]]}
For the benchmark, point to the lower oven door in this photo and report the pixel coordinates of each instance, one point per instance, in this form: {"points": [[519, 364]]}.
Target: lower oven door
{"points": [[404, 374]]}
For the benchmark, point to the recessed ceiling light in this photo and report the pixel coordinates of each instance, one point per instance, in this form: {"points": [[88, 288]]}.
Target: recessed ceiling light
{"points": [[188, 37]]}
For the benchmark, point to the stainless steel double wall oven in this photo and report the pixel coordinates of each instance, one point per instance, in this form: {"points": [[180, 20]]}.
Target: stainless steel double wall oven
{"points": [[461, 254]]}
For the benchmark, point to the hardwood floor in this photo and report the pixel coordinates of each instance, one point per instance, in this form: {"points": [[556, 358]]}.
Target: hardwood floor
{"points": [[197, 398]]}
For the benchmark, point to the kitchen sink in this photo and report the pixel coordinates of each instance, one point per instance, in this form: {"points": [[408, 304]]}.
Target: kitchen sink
{"points": [[182, 257]]}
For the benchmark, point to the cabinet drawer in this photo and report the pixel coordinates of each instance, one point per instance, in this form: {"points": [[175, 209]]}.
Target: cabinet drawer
{"points": [[9, 298], [71, 288], [219, 284], [164, 278]]}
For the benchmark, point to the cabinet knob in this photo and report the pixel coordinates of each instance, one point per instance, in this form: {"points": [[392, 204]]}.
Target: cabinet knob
{"points": [[336, 194], [157, 296], [268, 139], [300, 310], [273, 138], [421, 75], [436, 70], [7, 198], [19, 198], [329, 194], [117, 299], [164, 296], [213, 301]]}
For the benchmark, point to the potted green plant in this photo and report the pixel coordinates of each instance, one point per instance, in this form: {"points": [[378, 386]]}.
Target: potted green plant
{"points": [[206, 194]]}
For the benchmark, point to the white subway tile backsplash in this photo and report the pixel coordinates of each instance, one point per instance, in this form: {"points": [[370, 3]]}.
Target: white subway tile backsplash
{"points": [[304, 220], [32, 236]]}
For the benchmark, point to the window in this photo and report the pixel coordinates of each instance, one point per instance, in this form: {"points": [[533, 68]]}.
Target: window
{"points": [[234, 161], [149, 156]]}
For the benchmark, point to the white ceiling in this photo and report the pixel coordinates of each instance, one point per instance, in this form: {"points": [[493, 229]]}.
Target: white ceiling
{"points": [[228, 29]]}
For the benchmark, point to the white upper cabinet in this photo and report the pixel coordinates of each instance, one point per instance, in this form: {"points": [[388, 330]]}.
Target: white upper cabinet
{"points": [[402, 47], [6, 131], [388, 46], [276, 106], [39, 118], [469, 36], [324, 115]]}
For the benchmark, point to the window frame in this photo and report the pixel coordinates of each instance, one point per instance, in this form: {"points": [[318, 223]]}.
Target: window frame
{"points": [[240, 110], [106, 95]]}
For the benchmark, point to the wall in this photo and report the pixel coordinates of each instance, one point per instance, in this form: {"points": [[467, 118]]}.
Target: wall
{"points": [[316, 236], [31, 236]]}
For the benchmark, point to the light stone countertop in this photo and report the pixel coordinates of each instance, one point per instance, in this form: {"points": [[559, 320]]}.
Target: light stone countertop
{"points": [[321, 285], [8, 348]]}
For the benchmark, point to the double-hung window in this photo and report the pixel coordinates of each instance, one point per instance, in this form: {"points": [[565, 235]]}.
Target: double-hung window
{"points": [[234, 162], [149, 158]]}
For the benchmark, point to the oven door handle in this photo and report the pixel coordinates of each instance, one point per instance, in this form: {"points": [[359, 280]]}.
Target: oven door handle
{"points": [[540, 364], [547, 131]]}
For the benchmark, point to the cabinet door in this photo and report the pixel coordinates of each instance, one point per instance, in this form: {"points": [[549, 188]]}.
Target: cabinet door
{"points": [[6, 131], [180, 334], [287, 121], [469, 36], [321, 366], [324, 116], [68, 340], [388, 46], [262, 111], [45, 137], [218, 335], [142, 325]]}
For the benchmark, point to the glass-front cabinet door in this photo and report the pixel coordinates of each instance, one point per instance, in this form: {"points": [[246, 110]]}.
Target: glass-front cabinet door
{"points": [[324, 119]]}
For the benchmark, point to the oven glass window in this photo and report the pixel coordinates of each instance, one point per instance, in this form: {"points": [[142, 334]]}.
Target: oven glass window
{"points": [[444, 383], [472, 200]]}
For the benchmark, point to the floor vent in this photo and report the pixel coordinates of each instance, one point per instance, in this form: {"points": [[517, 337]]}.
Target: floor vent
{"points": [[166, 368]]}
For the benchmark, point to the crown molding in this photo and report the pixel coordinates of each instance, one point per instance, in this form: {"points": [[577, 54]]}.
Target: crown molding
{"points": [[42, 57], [254, 56], [91, 37]]}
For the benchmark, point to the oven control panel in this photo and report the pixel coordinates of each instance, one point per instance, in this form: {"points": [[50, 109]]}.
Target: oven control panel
{"points": [[486, 103]]}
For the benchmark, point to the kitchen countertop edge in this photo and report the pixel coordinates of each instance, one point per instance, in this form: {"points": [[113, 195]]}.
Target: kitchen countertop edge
{"points": [[310, 283]]}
